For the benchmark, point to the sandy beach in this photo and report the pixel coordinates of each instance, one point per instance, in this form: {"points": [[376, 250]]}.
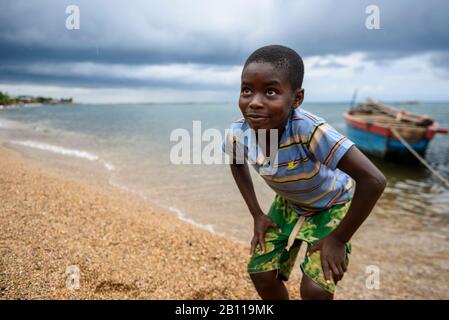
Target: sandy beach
{"points": [[124, 248]]}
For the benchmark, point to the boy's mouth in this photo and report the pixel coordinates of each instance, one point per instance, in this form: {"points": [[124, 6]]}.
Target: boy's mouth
{"points": [[254, 116]]}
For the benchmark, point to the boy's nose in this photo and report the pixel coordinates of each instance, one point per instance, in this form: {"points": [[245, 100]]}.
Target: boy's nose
{"points": [[256, 102]]}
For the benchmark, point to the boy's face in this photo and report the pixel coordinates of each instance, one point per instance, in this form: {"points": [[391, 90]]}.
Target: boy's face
{"points": [[266, 98]]}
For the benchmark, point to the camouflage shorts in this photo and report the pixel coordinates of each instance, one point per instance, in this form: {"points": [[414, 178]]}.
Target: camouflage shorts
{"points": [[313, 229]]}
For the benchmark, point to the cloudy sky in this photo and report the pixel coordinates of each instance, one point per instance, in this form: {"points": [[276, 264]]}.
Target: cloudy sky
{"points": [[162, 51]]}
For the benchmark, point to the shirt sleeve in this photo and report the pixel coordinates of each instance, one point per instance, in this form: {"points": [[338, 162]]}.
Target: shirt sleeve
{"points": [[327, 145], [233, 144], [227, 147]]}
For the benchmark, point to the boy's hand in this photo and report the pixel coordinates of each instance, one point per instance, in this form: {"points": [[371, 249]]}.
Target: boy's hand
{"points": [[333, 254], [261, 223]]}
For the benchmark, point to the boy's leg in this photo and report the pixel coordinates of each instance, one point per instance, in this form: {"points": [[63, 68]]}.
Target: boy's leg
{"points": [[310, 290], [269, 269], [315, 228], [313, 284], [268, 286]]}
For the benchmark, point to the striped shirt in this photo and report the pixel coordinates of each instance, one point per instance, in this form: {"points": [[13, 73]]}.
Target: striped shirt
{"points": [[304, 170]]}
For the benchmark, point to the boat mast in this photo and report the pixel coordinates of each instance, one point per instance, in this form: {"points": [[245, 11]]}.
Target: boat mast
{"points": [[354, 96]]}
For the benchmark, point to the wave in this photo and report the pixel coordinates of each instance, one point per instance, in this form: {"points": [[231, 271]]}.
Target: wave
{"points": [[42, 129], [108, 166], [183, 217], [64, 151]]}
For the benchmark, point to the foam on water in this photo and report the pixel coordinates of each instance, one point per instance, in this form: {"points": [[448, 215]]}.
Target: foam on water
{"points": [[108, 166], [63, 151], [183, 217]]}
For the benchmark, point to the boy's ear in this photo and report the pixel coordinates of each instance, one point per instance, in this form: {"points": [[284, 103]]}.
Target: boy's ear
{"points": [[299, 98]]}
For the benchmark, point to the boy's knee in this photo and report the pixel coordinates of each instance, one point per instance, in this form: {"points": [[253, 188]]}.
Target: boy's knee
{"points": [[310, 290], [269, 286], [263, 276], [264, 280]]}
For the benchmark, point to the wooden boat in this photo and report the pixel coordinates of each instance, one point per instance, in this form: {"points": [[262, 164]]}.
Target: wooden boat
{"points": [[377, 129]]}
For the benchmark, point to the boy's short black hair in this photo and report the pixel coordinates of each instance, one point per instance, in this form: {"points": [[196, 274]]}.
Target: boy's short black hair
{"points": [[282, 58]]}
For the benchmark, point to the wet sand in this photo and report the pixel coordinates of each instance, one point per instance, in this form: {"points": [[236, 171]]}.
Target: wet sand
{"points": [[125, 248]]}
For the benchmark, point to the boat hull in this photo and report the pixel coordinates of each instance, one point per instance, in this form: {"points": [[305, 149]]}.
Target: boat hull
{"points": [[385, 147]]}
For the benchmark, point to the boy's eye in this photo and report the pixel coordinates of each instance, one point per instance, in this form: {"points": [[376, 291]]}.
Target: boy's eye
{"points": [[271, 92], [246, 91]]}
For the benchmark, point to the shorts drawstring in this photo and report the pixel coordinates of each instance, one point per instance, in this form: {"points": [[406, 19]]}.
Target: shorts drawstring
{"points": [[294, 233]]}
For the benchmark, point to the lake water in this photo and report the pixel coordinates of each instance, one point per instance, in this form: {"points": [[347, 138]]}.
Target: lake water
{"points": [[129, 145]]}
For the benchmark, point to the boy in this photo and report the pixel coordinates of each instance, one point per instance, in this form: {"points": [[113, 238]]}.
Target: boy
{"points": [[311, 176]]}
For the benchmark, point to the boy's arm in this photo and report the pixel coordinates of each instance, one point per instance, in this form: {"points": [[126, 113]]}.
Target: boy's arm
{"points": [[242, 177], [370, 183]]}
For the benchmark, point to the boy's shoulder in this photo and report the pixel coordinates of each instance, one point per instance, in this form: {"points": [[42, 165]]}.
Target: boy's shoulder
{"points": [[234, 133], [305, 119], [237, 124], [238, 127], [304, 123]]}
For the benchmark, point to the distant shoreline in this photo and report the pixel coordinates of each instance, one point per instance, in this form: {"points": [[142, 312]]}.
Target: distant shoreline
{"points": [[31, 105], [7, 101]]}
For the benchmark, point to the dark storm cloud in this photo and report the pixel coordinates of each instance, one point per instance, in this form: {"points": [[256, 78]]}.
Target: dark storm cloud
{"points": [[99, 81], [211, 33], [440, 61]]}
